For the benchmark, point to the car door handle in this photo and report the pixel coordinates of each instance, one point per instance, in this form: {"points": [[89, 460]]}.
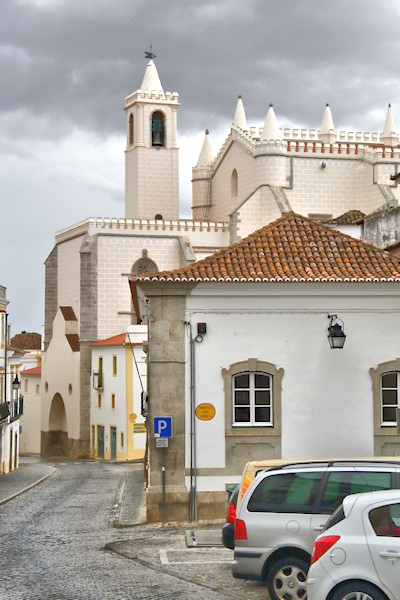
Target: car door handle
{"points": [[318, 527], [390, 554]]}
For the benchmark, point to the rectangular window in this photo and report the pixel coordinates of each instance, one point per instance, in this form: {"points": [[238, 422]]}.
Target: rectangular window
{"points": [[114, 365], [99, 401], [26, 386], [252, 399], [100, 372], [340, 484], [286, 492], [112, 401], [37, 389], [122, 440], [389, 398]]}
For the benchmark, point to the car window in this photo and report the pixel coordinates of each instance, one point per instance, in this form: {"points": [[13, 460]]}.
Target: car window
{"points": [[286, 492], [335, 518], [385, 520], [341, 483]]}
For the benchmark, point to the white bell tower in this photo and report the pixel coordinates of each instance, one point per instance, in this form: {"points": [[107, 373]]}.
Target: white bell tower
{"points": [[151, 156]]}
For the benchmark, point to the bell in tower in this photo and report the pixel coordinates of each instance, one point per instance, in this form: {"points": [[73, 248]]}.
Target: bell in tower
{"points": [[157, 129]]}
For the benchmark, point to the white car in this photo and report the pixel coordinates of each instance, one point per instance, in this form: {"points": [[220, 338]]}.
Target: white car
{"points": [[357, 556]]}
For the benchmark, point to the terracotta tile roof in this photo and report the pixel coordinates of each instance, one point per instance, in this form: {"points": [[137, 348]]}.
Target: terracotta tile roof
{"points": [[26, 341], [351, 217], [293, 248], [68, 313], [32, 371], [116, 340], [73, 340]]}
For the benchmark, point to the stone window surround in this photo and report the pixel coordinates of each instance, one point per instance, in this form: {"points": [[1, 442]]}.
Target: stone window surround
{"points": [[375, 373], [252, 365]]}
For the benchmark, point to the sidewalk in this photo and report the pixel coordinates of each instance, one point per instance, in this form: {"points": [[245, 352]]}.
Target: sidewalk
{"points": [[23, 479]]}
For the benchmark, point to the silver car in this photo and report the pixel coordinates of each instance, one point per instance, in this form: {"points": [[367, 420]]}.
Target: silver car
{"points": [[358, 555], [285, 509]]}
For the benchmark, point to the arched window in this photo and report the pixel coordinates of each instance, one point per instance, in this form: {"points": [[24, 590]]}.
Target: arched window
{"points": [[158, 129], [131, 129], [386, 404], [252, 399], [234, 184], [389, 401], [386, 388], [253, 395]]}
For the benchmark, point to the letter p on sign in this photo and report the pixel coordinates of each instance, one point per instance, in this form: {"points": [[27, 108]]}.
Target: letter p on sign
{"points": [[163, 427]]}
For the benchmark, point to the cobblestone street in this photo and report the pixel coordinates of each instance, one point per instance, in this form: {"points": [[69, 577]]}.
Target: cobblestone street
{"points": [[68, 539]]}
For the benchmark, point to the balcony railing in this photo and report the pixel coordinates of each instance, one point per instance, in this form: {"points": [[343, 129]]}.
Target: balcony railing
{"points": [[16, 408], [4, 410], [98, 381]]}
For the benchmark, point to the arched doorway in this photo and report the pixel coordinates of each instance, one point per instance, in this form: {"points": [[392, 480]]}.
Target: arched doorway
{"points": [[58, 429]]}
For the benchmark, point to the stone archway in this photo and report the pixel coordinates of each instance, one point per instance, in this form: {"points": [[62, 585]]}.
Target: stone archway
{"points": [[57, 440]]}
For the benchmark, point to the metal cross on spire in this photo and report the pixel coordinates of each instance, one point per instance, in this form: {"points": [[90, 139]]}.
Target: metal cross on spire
{"points": [[150, 54]]}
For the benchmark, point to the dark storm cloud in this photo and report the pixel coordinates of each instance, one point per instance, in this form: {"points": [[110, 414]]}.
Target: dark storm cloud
{"points": [[67, 65], [77, 60]]}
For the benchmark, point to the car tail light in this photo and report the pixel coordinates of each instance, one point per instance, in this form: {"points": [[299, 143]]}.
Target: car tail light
{"points": [[231, 513], [240, 530], [323, 545]]}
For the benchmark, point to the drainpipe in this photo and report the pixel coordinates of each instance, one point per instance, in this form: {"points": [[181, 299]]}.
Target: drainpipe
{"points": [[5, 355], [193, 467]]}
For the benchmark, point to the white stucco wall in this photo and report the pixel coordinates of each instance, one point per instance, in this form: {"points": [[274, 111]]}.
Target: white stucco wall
{"points": [[31, 419], [106, 415], [327, 407], [68, 273], [61, 375]]}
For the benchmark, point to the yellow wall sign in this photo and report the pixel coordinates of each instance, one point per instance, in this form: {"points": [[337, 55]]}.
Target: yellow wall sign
{"points": [[205, 411], [132, 417], [139, 428]]}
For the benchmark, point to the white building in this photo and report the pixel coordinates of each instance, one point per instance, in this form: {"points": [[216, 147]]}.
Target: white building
{"points": [[259, 174], [119, 376], [11, 401], [30, 421], [239, 359]]}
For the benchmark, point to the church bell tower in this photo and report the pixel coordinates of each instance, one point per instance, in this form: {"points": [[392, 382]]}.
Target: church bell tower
{"points": [[151, 155]]}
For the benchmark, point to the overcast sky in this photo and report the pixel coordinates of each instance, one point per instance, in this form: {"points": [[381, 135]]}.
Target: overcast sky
{"points": [[67, 65]]}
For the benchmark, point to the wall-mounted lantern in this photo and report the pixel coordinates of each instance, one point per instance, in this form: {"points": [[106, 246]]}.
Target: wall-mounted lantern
{"points": [[15, 383], [336, 335]]}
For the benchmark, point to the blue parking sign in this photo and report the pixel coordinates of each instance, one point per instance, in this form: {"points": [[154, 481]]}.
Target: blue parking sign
{"points": [[162, 427]]}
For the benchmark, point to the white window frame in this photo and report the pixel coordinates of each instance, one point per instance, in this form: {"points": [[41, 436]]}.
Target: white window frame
{"points": [[381, 392], [251, 390]]}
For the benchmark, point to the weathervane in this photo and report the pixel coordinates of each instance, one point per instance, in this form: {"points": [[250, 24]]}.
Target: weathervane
{"points": [[150, 54]]}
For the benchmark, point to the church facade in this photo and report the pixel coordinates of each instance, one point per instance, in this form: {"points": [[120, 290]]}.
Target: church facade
{"points": [[259, 175]]}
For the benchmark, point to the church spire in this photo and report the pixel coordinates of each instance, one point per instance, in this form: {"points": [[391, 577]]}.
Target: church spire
{"points": [[151, 154], [240, 116], [207, 152], [389, 136], [271, 129], [327, 131], [151, 80]]}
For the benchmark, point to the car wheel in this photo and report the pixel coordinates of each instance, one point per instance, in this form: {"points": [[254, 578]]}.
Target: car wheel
{"points": [[354, 590], [287, 579]]}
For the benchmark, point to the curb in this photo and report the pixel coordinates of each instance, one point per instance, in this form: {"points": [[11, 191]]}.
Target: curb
{"points": [[28, 487]]}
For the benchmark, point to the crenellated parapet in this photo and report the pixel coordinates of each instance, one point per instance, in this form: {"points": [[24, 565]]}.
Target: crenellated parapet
{"points": [[100, 225], [151, 96], [366, 146]]}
